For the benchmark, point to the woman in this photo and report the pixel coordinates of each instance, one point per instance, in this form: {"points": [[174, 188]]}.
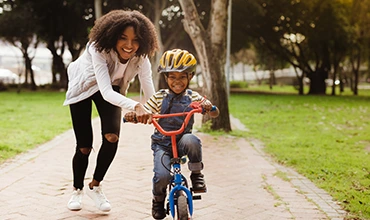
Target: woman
{"points": [[118, 49]]}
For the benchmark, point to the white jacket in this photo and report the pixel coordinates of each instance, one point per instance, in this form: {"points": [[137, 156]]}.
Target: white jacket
{"points": [[94, 71]]}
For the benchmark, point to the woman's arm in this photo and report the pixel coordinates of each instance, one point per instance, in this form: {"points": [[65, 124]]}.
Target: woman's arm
{"points": [[146, 79]]}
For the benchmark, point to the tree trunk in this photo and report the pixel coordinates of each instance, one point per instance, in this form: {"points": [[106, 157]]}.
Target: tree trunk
{"points": [[317, 83], [272, 79], [158, 7], [300, 82], [333, 86], [243, 70], [74, 50], [341, 81], [28, 63], [301, 86], [355, 63], [211, 50], [98, 8], [355, 83], [58, 69], [25, 73]]}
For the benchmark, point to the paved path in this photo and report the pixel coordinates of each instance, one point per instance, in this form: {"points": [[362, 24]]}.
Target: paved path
{"points": [[243, 183]]}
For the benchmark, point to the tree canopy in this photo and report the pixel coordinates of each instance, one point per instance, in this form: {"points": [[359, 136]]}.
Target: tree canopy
{"points": [[321, 38], [313, 36]]}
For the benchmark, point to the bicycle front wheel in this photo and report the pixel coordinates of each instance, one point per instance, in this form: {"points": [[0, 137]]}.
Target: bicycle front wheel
{"points": [[182, 208]]}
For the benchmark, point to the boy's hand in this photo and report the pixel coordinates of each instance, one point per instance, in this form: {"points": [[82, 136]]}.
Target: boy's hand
{"points": [[207, 105]]}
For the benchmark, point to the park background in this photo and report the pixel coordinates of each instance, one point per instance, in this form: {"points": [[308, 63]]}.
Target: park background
{"points": [[270, 63]]}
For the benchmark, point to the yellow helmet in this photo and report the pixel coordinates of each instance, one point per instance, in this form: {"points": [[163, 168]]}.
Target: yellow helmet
{"points": [[177, 60]]}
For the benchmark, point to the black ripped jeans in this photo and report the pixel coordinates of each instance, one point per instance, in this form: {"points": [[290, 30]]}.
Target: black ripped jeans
{"points": [[110, 119]]}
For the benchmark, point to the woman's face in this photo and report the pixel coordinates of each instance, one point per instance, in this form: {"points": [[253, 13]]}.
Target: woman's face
{"points": [[127, 44]]}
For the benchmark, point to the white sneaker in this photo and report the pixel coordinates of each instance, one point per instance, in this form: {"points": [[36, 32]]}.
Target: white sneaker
{"points": [[75, 203], [101, 202]]}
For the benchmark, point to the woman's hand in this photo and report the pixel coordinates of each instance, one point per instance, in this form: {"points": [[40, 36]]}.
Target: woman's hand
{"points": [[130, 117], [142, 115]]}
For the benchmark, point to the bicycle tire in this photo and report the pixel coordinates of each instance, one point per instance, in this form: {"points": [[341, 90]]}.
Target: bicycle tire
{"points": [[182, 208]]}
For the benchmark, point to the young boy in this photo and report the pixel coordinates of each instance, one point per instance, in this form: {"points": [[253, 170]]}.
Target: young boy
{"points": [[178, 67]]}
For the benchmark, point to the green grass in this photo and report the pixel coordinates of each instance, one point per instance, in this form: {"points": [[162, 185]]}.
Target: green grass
{"points": [[29, 119], [288, 89], [324, 138]]}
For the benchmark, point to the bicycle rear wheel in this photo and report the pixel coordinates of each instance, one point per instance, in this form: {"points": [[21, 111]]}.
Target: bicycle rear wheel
{"points": [[182, 208]]}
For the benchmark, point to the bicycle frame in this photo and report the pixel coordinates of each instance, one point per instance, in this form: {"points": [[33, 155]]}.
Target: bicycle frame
{"points": [[178, 177]]}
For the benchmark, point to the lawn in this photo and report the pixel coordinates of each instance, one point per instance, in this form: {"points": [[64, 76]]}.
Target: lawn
{"points": [[29, 119], [325, 138]]}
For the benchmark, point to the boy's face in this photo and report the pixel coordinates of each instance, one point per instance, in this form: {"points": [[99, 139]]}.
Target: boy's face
{"points": [[178, 82]]}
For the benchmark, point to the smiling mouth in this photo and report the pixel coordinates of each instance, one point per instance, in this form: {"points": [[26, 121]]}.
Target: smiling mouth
{"points": [[177, 87], [127, 51]]}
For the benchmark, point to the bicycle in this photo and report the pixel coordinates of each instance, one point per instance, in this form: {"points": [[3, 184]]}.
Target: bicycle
{"points": [[180, 197]]}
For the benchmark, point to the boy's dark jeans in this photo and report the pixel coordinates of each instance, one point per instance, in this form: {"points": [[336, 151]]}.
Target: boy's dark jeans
{"points": [[189, 145]]}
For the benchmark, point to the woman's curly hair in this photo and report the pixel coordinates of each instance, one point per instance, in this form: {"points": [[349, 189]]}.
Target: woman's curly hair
{"points": [[108, 29]]}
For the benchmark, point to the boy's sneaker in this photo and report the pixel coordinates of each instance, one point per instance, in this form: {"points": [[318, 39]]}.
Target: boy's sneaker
{"points": [[158, 211], [198, 183], [97, 195], [75, 203]]}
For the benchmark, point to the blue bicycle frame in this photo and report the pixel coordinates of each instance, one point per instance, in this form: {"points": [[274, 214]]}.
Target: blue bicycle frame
{"points": [[178, 179]]}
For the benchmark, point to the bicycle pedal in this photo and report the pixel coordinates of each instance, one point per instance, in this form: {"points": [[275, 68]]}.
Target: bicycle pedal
{"points": [[199, 190], [197, 197]]}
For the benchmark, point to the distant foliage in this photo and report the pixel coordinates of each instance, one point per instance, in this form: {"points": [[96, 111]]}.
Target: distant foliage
{"points": [[238, 84]]}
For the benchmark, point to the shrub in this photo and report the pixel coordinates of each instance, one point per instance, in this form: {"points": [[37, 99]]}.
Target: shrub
{"points": [[238, 84]]}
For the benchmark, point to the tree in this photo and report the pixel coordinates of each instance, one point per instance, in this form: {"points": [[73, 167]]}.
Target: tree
{"points": [[63, 23], [360, 38], [154, 10], [304, 33], [78, 20], [246, 57], [98, 8], [17, 26], [210, 45], [166, 17]]}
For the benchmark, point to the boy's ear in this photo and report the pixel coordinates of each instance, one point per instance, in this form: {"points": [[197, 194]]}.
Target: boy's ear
{"points": [[190, 76]]}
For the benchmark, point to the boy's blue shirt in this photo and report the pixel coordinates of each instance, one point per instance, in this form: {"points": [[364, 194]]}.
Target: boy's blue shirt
{"points": [[173, 103]]}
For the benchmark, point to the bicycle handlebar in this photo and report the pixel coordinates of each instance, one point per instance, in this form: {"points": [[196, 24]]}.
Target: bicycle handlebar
{"points": [[196, 108], [184, 124]]}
